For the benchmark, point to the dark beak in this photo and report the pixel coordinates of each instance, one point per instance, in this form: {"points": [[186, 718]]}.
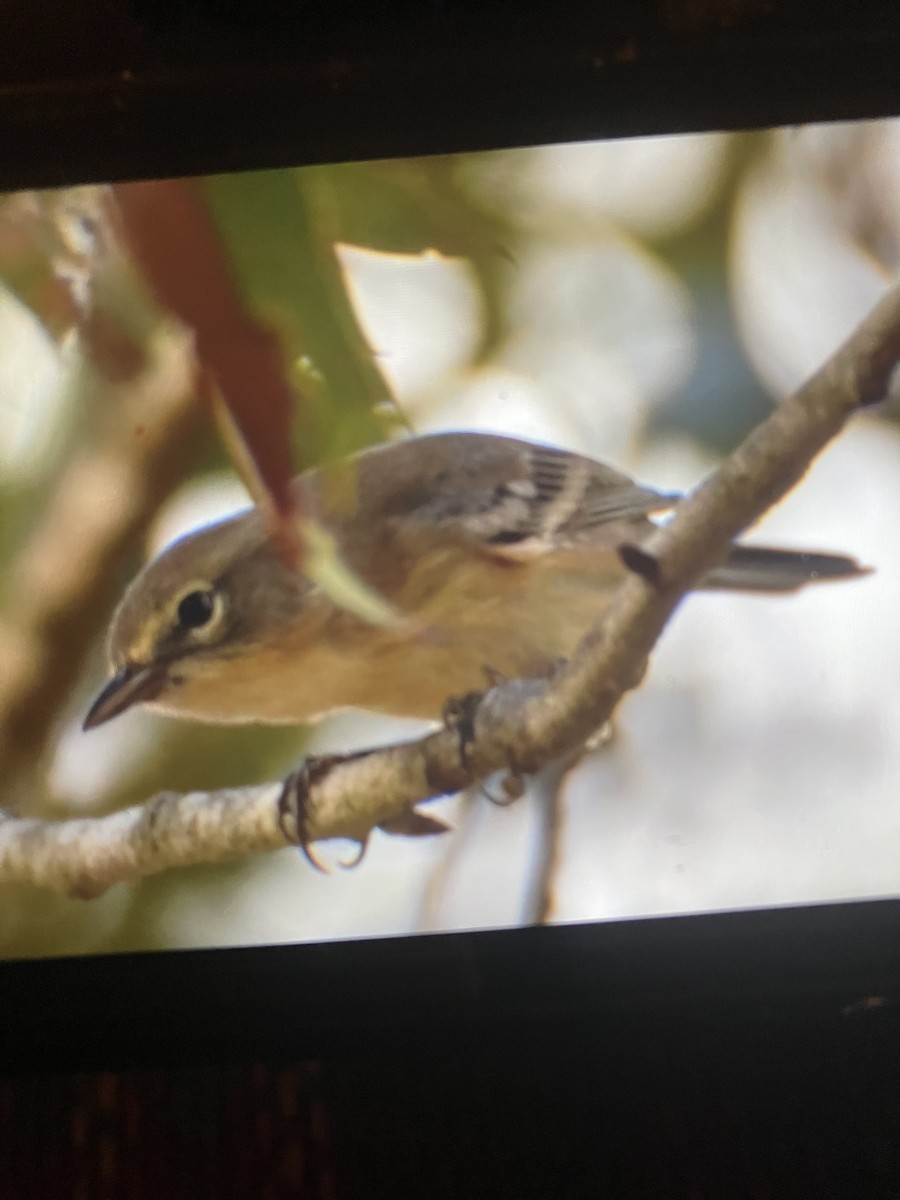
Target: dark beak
{"points": [[131, 685]]}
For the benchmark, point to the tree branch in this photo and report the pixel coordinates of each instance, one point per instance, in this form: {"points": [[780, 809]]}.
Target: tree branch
{"points": [[521, 725], [548, 791], [65, 579]]}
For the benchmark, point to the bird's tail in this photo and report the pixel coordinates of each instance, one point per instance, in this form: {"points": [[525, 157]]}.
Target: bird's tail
{"points": [[764, 569]]}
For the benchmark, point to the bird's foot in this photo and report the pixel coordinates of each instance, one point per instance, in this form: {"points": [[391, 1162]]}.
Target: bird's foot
{"points": [[293, 806], [512, 788], [293, 811], [459, 715]]}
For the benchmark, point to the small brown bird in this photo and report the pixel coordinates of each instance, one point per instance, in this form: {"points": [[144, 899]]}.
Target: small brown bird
{"points": [[503, 551]]}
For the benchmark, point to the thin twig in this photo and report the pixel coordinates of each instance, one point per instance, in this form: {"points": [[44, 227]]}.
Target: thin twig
{"points": [[528, 723], [549, 794]]}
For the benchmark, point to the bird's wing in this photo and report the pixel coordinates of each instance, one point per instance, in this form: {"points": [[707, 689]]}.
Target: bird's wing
{"points": [[510, 498]]}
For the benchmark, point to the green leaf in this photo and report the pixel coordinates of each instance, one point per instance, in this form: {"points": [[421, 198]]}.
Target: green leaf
{"points": [[290, 277]]}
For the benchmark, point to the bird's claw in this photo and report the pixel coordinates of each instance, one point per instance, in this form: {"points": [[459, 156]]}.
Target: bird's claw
{"points": [[293, 805], [459, 716], [293, 814], [350, 863], [512, 788]]}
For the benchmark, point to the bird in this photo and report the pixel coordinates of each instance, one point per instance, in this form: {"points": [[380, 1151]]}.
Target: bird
{"points": [[503, 552]]}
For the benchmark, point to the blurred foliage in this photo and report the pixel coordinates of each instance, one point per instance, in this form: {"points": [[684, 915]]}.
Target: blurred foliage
{"points": [[30, 249], [290, 278], [194, 757], [699, 253], [409, 206], [281, 228]]}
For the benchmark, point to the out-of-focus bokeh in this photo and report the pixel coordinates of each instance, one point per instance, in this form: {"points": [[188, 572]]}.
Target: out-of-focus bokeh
{"points": [[643, 301]]}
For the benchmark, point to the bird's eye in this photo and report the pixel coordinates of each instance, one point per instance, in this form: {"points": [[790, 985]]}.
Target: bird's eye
{"points": [[196, 609]]}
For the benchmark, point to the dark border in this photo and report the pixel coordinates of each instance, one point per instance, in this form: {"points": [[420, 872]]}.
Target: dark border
{"points": [[826, 968], [112, 89]]}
